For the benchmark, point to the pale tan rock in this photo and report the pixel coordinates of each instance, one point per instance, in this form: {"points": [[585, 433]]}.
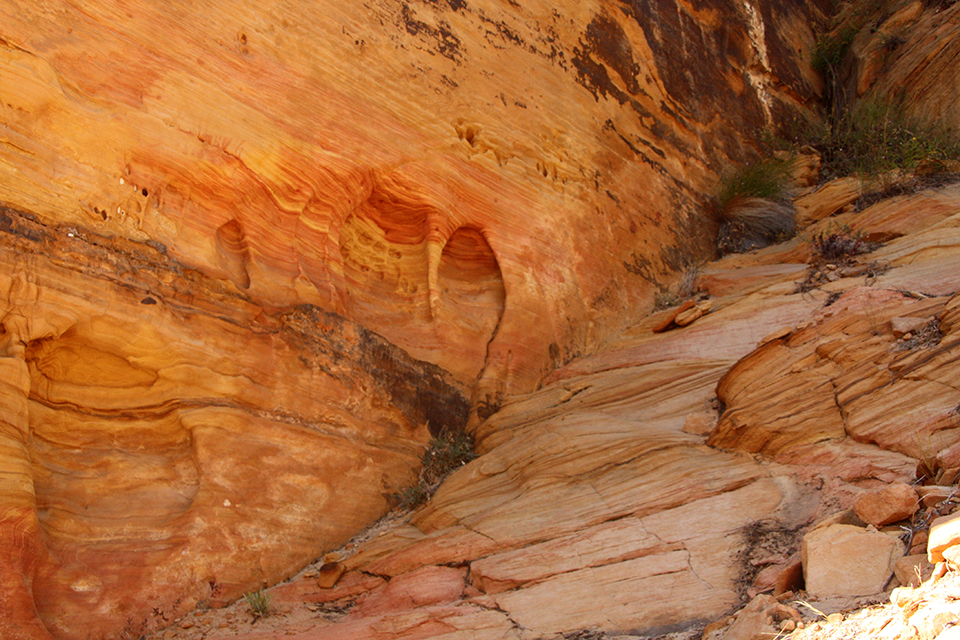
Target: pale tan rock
{"points": [[901, 326], [827, 200], [891, 503], [700, 423], [944, 533], [913, 570], [951, 555], [843, 560], [688, 316], [763, 617]]}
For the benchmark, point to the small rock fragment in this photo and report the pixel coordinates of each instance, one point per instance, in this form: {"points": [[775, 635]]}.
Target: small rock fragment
{"points": [[903, 326], [913, 570], [330, 573], [790, 578], [952, 557]]}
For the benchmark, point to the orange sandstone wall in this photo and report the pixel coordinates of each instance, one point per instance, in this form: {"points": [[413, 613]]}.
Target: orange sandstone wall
{"points": [[251, 252]]}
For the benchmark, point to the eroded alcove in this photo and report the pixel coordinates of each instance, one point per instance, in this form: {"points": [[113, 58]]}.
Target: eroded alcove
{"points": [[104, 470], [472, 294]]}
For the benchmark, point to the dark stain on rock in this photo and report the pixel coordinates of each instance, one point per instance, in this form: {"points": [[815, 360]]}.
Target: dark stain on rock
{"points": [[641, 266], [346, 351], [701, 88], [608, 41], [501, 30], [421, 391], [159, 246], [455, 5], [441, 38], [11, 221]]}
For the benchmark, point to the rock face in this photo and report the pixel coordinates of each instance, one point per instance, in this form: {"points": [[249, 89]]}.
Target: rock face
{"points": [[225, 228], [592, 506], [170, 442], [252, 254], [373, 161]]}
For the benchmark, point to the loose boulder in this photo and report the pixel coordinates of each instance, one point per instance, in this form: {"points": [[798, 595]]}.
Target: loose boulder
{"points": [[844, 560], [891, 503]]}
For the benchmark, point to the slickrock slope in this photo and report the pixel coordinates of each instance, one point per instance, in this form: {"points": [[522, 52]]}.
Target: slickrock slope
{"points": [[226, 224], [621, 496]]}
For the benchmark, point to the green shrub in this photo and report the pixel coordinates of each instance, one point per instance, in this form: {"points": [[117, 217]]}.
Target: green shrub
{"points": [[767, 179], [832, 49], [877, 137], [754, 206], [448, 451], [413, 497], [259, 603]]}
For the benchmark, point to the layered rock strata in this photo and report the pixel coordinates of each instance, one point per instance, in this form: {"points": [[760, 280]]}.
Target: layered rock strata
{"points": [[224, 223], [165, 441], [624, 498]]}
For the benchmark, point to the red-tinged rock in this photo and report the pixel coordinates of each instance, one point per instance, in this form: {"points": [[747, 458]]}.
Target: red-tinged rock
{"points": [[306, 593], [330, 573], [891, 503], [932, 495], [789, 579], [420, 588], [669, 320]]}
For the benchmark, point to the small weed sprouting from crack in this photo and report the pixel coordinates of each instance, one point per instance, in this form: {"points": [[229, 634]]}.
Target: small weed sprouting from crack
{"points": [[835, 254], [259, 603], [840, 246]]}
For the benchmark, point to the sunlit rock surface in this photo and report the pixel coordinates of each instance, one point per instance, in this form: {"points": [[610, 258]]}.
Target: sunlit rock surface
{"points": [[252, 253], [628, 494]]}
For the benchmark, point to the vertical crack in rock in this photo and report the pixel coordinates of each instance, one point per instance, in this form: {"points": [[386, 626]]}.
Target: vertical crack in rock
{"points": [[759, 76]]}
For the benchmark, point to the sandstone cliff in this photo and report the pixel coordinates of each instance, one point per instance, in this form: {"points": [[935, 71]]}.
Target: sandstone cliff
{"points": [[252, 255]]}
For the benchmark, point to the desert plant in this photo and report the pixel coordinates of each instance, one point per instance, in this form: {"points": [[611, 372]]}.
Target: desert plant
{"points": [[449, 450], [767, 179], [754, 207], [413, 497], [840, 245], [832, 48], [259, 603]]}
